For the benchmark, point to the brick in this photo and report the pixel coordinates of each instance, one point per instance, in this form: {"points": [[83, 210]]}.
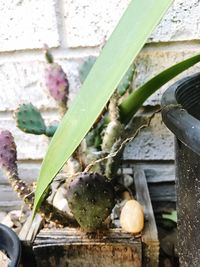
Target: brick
{"points": [[28, 146], [22, 82], [27, 24], [152, 143], [153, 60], [180, 23], [88, 22]]}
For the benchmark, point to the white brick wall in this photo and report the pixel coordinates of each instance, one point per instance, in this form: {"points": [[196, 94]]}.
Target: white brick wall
{"points": [[27, 24], [76, 29]]}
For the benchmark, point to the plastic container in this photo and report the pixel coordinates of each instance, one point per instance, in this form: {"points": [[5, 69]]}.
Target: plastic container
{"points": [[10, 243], [181, 114]]}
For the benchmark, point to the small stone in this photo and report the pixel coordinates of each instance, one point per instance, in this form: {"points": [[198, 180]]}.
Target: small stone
{"points": [[132, 217], [60, 200], [2, 215]]}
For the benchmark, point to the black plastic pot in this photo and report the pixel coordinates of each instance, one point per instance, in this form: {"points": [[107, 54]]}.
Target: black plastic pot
{"points": [[181, 114], [10, 243]]}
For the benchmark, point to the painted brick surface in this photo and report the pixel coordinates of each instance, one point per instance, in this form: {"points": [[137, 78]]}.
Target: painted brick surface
{"points": [[88, 22], [23, 82], [27, 24], [152, 61], [180, 23], [28, 146], [153, 143]]}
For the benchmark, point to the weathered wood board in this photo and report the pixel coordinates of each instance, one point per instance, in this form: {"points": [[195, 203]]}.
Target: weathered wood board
{"points": [[71, 247]]}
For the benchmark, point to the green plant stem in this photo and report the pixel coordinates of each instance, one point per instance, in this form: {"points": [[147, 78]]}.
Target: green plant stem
{"points": [[134, 101]]}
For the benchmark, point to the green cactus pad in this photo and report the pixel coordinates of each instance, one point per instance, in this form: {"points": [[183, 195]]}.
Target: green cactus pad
{"points": [[85, 68], [51, 129], [29, 119], [91, 199], [125, 83]]}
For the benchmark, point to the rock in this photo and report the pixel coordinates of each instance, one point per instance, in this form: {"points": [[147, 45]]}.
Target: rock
{"points": [[60, 200], [132, 217], [2, 215], [12, 220]]}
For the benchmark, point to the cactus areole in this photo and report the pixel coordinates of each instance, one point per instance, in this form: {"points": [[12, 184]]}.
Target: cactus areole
{"points": [[91, 199]]}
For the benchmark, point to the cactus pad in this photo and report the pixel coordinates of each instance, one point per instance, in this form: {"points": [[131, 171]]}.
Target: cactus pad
{"points": [[29, 119], [85, 68], [51, 129], [125, 82], [91, 199], [8, 154], [57, 82]]}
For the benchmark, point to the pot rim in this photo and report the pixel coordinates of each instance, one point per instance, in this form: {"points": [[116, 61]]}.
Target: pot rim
{"points": [[184, 125], [10, 243]]}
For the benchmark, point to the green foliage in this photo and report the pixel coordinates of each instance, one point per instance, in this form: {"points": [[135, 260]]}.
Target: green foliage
{"points": [[134, 101], [123, 85], [29, 119], [115, 59], [171, 216]]}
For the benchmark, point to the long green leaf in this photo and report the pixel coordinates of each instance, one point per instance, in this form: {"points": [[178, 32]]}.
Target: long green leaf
{"points": [[135, 100], [128, 38]]}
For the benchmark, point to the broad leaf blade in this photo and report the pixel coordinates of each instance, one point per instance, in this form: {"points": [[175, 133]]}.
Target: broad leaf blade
{"points": [[135, 100], [121, 49]]}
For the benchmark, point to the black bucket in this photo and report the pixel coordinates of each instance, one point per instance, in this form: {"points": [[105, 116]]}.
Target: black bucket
{"points": [[181, 114]]}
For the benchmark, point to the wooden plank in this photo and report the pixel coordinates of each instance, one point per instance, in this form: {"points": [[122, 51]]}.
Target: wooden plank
{"points": [[161, 181], [162, 192], [73, 248], [8, 199], [7, 206], [155, 172], [6, 193], [149, 234], [30, 228]]}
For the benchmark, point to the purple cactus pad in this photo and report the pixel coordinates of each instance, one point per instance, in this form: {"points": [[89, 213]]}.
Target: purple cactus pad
{"points": [[57, 82], [8, 154]]}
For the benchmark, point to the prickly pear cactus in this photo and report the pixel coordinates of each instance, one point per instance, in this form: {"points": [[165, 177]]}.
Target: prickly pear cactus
{"points": [[91, 199], [29, 119], [8, 163], [51, 129], [56, 80], [85, 68], [125, 83], [8, 154]]}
